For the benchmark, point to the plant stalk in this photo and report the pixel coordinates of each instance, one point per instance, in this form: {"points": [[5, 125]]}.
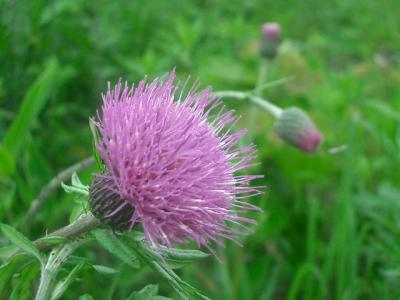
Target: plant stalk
{"points": [[49, 272], [83, 224], [271, 108]]}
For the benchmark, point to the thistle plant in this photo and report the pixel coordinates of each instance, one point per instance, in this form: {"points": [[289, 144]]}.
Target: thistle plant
{"points": [[171, 163], [172, 174]]}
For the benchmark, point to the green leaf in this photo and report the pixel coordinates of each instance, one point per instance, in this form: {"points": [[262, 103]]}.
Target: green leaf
{"points": [[149, 292], [7, 251], [76, 186], [85, 297], [76, 211], [176, 258], [20, 240], [62, 285], [7, 193], [116, 247], [7, 162], [5, 273], [157, 263], [75, 189], [55, 9], [9, 268], [105, 270], [76, 181], [183, 254], [34, 101], [96, 136], [22, 281]]}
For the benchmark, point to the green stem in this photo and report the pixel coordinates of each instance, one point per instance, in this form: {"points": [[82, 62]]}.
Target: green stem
{"points": [[262, 76], [253, 109], [266, 105], [80, 226], [271, 108], [49, 272], [83, 224]]}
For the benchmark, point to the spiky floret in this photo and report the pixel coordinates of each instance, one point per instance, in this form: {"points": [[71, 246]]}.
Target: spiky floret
{"points": [[172, 157]]}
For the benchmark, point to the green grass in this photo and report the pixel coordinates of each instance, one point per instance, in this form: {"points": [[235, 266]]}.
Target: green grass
{"points": [[330, 228]]}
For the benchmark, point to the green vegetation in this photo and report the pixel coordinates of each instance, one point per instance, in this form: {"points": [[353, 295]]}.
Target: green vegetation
{"points": [[330, 227]]}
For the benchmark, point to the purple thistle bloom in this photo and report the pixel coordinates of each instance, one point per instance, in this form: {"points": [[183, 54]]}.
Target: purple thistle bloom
{"points": [[171, 161]]}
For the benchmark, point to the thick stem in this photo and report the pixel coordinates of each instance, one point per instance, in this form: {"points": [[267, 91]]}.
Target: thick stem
{"points": [[49, 272], [51, 186], [83, 224]]}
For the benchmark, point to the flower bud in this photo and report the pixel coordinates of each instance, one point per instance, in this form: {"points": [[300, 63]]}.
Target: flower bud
{"points": [[270, 38], [295, 127], [107, 205]]}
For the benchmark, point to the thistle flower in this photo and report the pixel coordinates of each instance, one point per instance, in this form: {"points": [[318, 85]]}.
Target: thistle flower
{"points": [[295, 127], [270, 38], [171, 162]]}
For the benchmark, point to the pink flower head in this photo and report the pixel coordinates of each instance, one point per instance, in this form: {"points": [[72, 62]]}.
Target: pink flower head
{"points": [[171, 159], [270, 39], [310, 140], [295, 127], [271, 31]]}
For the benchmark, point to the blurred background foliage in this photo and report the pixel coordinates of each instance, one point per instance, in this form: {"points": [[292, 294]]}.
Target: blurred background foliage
{"points": [[330, 228]]}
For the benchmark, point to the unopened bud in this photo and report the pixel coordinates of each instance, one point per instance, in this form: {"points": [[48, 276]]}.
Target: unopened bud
{"points": [[107, 205], [270, 38], [295, 127]]}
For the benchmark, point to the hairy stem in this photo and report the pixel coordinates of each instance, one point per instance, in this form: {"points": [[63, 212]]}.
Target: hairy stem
{"points": [[49, 271], [50, 187], [83, 224]]}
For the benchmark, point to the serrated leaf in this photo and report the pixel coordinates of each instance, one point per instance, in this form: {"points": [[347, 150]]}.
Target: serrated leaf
{"points": [[116, 247], [75, 181], [62, 285], [105, 270], [20, 240], [82, 190], [149, 292]]}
